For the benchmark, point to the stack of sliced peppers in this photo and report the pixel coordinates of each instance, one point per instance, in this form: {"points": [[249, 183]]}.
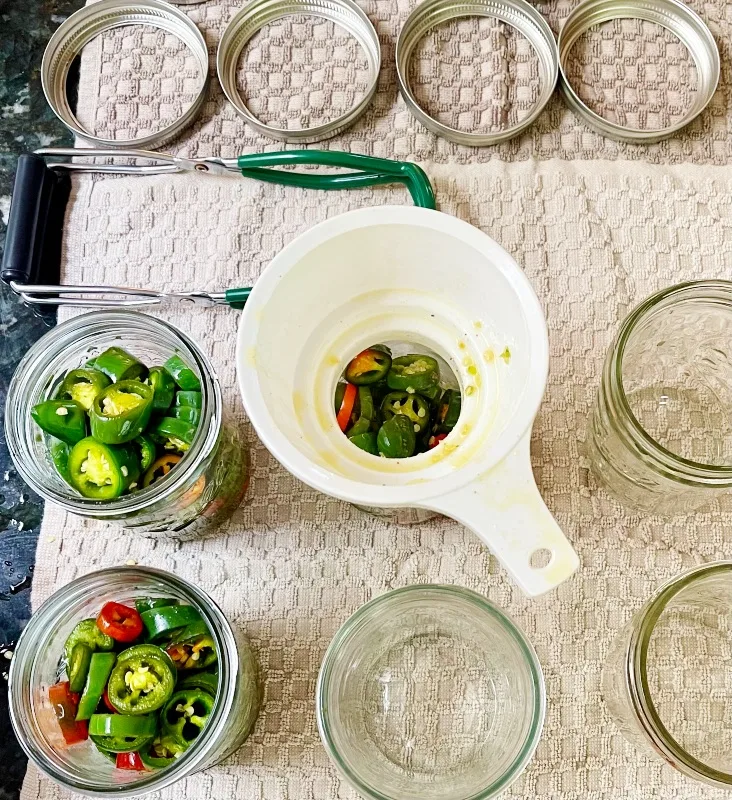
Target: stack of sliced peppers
{"points": [[115, 426], [141, 682], [395, 408]]}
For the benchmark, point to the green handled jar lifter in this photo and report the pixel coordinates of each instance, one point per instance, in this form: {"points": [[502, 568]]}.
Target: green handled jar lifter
{"points": [[31, 262]]}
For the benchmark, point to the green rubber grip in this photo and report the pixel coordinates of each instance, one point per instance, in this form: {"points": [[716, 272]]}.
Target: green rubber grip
{"points": [[370, 171], [237, 297]]}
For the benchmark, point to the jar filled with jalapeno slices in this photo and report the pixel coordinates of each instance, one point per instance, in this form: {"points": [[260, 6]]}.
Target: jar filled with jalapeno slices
{"points": [[131, 677], [395, 407], [118, 415]]}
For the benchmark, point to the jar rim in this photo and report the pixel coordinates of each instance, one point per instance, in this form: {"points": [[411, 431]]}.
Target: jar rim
{"points": [[656, 456], [41, 354], [484, 605], [636, 676], [30, 646]]}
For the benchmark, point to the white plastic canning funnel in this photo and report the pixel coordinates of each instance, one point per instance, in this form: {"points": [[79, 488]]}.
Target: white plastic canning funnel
{"points": [[419, 276]]}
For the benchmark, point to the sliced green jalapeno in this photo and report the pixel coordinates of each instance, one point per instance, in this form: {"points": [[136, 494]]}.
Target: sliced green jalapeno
{"points": [[363, 411], [413, 373], [77, 666], [100, 471], [86, 632], [448, 411], [369, 366], [432, 393], [185, 715], [162, 623], [366, 441], [396, 437], [143, 604], [187, 414], [146, 450], [120, 412], [142, 680], [182, 374], [82, 386], [412, 406], [100, 667], [59, 452], [118, 733], [63, 419], [174, 434], [163, 387], [119, 365], [161, 752], [208, 681], [190, 399], [193, 647]]}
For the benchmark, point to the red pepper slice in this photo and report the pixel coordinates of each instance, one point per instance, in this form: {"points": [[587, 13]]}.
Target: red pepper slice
{"points": [[436, 439], [105, 697], [65, 705], [129, 761], [349, 400], [120, 622]]}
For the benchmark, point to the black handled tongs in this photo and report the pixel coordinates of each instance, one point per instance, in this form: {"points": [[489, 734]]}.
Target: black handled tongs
{"points": [[32, 258]]}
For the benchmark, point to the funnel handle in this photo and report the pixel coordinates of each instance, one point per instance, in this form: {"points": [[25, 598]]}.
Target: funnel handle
{"points": [[504, 508]]}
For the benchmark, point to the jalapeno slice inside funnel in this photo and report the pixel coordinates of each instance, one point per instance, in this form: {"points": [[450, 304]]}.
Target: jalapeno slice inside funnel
{"points": [[396, 438], [118, 733], [186, 714], [100, 471], [121, 412], [415, 408], [369, 366], [142, 680], [413, 373]]}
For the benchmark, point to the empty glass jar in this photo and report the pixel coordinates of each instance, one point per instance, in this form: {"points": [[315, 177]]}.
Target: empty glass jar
{"points": [[659, 436], [430, 693], [667, 680]]}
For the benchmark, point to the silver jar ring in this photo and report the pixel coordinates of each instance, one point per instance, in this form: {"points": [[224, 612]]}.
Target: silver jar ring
{"points": [[519, 15], [259, 13], [80, 28], [672, 15]]}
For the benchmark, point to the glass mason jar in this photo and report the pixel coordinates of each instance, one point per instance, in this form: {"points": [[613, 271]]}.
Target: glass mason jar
{"points": [[659, 436], [200, 493], [667, 680], [430, 692], [34, 669]]}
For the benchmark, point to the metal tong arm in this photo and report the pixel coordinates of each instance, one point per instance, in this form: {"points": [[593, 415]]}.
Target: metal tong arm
{"points": [[370, 171]]}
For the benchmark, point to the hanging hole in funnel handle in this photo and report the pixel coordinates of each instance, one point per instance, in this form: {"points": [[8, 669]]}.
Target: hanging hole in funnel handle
{"points": [[541, 558]]}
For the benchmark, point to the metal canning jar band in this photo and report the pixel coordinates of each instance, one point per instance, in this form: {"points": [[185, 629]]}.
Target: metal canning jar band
{"points": [[80, 28]]}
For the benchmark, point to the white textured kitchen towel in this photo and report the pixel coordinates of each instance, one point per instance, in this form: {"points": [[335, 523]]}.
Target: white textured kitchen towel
{"points": [[594, 237]]}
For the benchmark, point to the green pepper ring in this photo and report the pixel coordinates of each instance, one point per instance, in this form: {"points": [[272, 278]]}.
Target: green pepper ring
{"points": [[159, 672], [184, 726], [119, 733], [396, 438], [409, 405], [415, 372], [118, 427]]}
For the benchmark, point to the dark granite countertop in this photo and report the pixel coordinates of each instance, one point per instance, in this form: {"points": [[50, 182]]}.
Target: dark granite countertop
{"points": [[26, 123]]}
